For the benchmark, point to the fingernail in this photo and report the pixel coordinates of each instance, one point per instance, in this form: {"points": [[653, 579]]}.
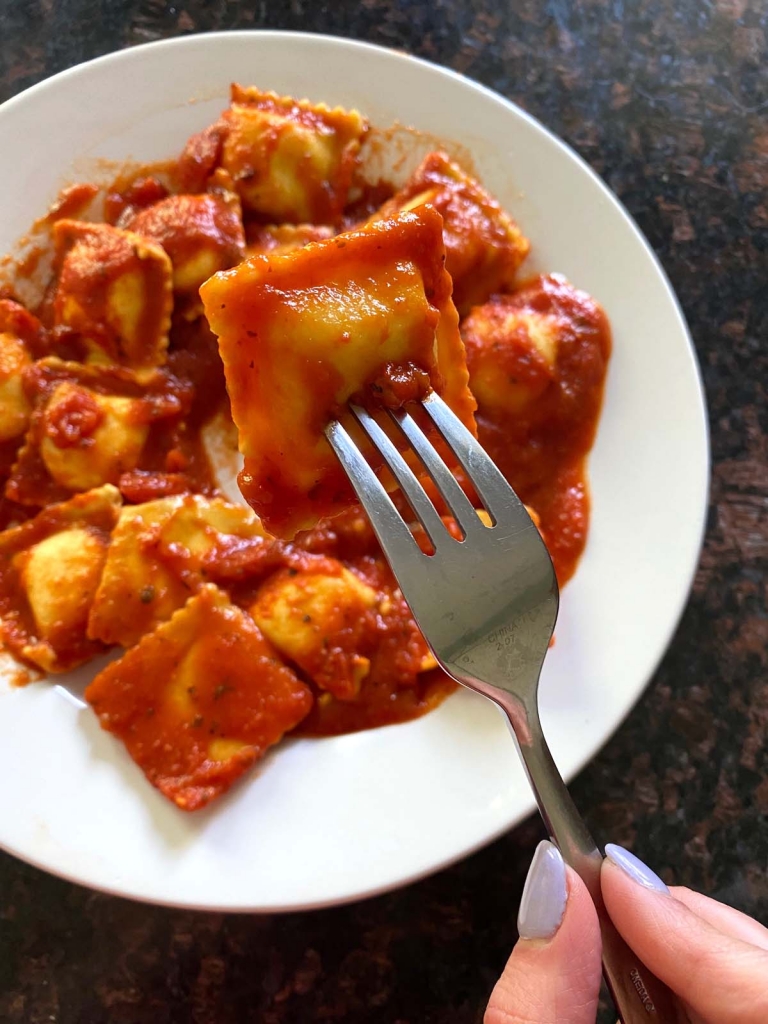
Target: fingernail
{"points": [[634, 867], [544, 895]]}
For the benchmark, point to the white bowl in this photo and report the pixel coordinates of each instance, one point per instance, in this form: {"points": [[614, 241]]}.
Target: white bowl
{"points": [[324, 821]]}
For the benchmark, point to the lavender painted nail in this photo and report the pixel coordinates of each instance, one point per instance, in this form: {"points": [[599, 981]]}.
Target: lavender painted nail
{"points": [[634, 867], [544, 895]]}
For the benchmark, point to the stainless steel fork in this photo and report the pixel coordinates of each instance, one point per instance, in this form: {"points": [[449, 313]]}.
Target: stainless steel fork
{"points": [[487, 606]]}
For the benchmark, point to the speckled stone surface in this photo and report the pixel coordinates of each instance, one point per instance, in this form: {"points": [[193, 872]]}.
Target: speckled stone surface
{"points": [[667, 100]]}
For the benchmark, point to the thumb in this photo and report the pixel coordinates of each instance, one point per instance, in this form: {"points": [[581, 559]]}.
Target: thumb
{"points": [[553, 974]]}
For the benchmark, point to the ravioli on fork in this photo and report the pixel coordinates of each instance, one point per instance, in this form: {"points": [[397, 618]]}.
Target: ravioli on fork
{"points": [[368, 315]]}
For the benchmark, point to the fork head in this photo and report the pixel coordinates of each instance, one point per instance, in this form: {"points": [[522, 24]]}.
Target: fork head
{"points": [[487, 603]]}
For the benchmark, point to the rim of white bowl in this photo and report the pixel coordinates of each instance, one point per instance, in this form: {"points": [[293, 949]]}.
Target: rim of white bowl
{"points": [[128, 54]]}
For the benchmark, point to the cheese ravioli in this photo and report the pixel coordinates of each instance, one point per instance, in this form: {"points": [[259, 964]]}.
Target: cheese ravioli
{"points": [[161, 552], [484, 247], [199, 700], [290, 159], [50, 568], [302, 332], [201, 234], [90, 425], [115, 292], [20, 342], [318, 620]]}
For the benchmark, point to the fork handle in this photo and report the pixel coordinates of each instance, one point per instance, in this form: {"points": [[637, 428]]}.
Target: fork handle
{"points": [[637, 993]]}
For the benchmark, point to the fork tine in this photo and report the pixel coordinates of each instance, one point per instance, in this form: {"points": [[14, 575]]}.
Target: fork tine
{"points": [[495, 492], [458, 503], [389, 526], [415, 494]]}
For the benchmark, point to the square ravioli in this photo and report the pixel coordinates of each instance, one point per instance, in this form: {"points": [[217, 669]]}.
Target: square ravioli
{"points": [[90, 424], [320, 620], [50, 568], [483, 245], [200, 233], [161, 552], [535, 355], [15, 407], [290, 159], [302, 332], [20, 343], [199, 700], [114, 292], [511, 354]]}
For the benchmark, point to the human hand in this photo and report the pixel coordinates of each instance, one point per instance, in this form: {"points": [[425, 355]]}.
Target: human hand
{"points": [[714, 957]]}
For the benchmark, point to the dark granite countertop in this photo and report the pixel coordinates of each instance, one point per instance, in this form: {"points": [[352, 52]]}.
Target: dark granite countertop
{"points": [[667, 100]]}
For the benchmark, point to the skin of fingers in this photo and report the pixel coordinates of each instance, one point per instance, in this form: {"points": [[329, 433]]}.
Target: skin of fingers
{"points": [[721, 978], [723, 917], [557, 980]]}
